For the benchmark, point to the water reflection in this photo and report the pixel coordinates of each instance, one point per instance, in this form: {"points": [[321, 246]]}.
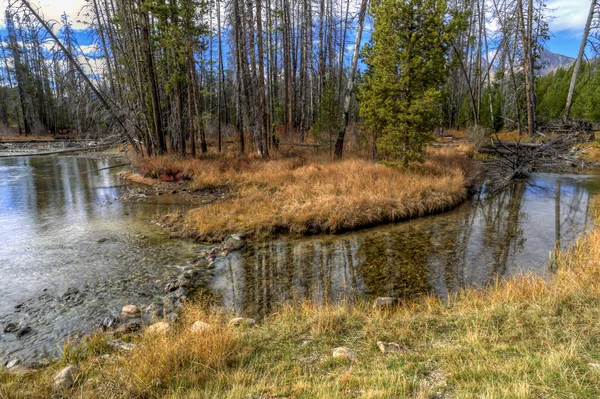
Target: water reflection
{"points": [[488, 238]]}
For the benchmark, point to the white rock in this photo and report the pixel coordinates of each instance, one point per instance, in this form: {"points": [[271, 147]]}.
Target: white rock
{"points": [[200, 327], [65, 378], [241, 321], [160, 328], [130, 310], [118, 344], [390, 347], [13, 363], [344, 353]]}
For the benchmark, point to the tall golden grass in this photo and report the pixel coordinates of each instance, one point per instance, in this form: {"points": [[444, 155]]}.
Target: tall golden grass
{"points": [[316, 195]]}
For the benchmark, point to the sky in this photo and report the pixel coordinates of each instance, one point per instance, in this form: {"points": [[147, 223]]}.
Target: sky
{"points": [[566, 25]]}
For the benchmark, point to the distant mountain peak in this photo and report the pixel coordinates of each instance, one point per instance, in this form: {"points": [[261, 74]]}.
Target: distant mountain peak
{"points": [[550, 62]]}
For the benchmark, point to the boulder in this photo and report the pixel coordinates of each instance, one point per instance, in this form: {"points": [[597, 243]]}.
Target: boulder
{"points": [[160, 328], [66, 377], [385, 302], [344, 352], [241, 321], [200, 327]]}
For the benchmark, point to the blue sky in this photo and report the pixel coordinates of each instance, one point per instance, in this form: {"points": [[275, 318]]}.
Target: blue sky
{"points": [[566, 24]]}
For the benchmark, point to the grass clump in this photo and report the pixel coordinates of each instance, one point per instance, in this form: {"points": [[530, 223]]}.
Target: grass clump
{"points": [[316, 195]]}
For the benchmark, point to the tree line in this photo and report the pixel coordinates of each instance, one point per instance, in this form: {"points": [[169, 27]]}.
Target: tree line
{"points": [[179, 76]]}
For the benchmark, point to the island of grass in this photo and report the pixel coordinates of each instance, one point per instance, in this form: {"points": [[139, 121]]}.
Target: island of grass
{"points": [[304, 194]]}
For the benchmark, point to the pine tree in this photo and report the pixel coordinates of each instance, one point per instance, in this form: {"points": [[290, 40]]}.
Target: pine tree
{"points": [[407, 65]]}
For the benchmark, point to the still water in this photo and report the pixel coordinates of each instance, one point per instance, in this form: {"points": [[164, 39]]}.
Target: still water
{"points": [[487, 238], [54, 211]]}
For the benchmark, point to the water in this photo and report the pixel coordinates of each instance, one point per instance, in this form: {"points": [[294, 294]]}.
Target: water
{"points": [[488, 238], [53, 212]]}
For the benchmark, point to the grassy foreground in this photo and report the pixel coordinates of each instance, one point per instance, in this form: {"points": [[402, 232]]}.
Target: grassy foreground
{"points": [[301, 194], [524, 338]]}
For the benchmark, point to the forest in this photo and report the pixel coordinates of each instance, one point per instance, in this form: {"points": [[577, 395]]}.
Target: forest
{"points": [[188, 75]]}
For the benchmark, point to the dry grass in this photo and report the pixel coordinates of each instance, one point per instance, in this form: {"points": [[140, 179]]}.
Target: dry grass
{"points": [[523, 338], [25, 138], [313, 195]]}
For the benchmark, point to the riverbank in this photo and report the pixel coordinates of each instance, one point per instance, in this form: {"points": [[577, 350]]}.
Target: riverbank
{"points": [[308, 194], [522, 338]]}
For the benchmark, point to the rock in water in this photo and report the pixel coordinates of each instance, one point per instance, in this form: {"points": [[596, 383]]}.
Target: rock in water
{"points": [[130, 310], [24, 331], [234, 243], [65, 378], [200, 327], [344, 353], [160, 328], [11, 328], [241, 321], [13, 363]]}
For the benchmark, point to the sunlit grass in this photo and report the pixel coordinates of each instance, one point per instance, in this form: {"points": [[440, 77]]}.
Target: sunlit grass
{"points": [[313, 195]]}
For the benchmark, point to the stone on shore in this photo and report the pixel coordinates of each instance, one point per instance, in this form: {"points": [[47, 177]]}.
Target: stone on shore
{"points": [[130, 310], [200, 327], [118, 344], [390, 347], [160, 328], [66, 378], [241, 321], [344, 352]]}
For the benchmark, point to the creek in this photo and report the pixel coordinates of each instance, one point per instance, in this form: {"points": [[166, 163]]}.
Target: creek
{"points": [[71, 253]]}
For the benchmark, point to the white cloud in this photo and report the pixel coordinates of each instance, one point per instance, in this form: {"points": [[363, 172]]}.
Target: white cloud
{"points": [[51, 10], [568, 15]]}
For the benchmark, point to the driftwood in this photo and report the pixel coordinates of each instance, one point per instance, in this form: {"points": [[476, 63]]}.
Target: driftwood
{"points": [[518, 160]]}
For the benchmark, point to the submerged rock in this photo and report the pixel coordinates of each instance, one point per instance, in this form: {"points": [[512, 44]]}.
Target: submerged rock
{"points": [[66, 377], [11, 328], [242, 322], [344, 352], [24, 331]]}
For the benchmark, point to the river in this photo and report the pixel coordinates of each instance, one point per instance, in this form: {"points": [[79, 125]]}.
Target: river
{"points": [[63, 228]]}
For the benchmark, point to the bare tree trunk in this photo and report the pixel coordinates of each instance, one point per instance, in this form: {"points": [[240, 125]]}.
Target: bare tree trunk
{"points": [[339, 143], [586, 33], [525, 29]]}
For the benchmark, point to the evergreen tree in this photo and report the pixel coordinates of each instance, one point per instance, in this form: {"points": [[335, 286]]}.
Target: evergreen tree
{"points": [[407, 65]]}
